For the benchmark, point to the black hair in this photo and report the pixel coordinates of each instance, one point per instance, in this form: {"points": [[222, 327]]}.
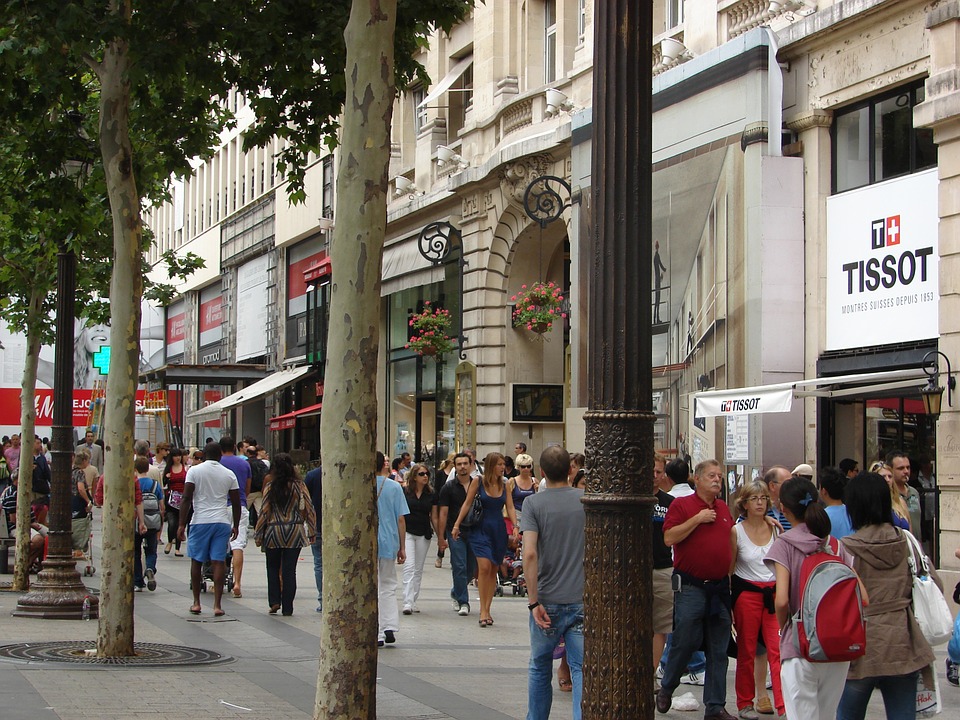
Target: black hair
{"points": [[868, 501], [462, 455], [212, 451], [227, 444], [283, 476], [894, 454], [395, 465], [801, 498], [848, 464], [833, 481], [678, 470], [381, 459]]}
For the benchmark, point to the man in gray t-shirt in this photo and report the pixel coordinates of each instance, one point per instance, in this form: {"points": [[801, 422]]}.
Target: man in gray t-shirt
{"points": [[553, 538]]}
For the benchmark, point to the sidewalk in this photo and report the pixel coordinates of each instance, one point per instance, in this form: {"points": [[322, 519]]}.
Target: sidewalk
{"points": [[442, 667]]}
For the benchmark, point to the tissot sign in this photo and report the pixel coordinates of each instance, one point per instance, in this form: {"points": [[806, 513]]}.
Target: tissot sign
{"points": [[882, 263], [745, 401]]}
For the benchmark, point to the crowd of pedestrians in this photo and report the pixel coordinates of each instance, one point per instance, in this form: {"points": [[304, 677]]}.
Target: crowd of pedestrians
{"points": [[727, 574]]}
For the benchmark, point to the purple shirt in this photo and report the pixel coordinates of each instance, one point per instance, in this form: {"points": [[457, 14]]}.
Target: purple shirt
{"points": [[241, 468]]}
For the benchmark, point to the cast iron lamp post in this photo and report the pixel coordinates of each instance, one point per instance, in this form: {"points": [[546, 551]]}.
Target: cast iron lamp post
{"points": [[58, 592], [618, 663]]}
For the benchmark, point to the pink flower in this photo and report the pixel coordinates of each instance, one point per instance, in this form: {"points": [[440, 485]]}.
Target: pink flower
{"points": [[563, 315]]}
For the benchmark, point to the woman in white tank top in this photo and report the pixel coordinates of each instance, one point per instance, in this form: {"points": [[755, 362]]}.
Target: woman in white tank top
{"points": [[752, 588]]}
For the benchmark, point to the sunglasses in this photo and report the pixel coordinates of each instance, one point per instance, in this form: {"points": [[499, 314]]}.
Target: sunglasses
{"points": [[524, 467], [423, 473]]}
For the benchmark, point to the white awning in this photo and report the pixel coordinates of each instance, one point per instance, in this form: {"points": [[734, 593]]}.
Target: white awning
{"points": [[448, 80], [269, 384], [778, 397], [404, 267]]}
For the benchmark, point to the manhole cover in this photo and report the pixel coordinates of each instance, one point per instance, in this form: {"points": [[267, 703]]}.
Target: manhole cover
{"points": [[148, 654]]}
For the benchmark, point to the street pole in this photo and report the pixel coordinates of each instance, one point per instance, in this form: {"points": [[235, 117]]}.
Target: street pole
{"points": [[59, 592], [618, 653]]}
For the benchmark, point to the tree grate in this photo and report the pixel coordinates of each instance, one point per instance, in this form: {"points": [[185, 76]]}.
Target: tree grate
{"points": [[147, 654]]}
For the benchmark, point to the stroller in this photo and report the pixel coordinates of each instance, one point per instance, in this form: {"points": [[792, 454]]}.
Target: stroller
{"points": [[207, 574], [510, 571]]}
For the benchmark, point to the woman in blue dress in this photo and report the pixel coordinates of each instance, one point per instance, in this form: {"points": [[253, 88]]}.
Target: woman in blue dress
{"points": [[488, 539]]}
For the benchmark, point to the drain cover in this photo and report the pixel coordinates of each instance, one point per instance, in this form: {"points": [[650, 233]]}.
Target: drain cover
{"points": [[147, 654]]}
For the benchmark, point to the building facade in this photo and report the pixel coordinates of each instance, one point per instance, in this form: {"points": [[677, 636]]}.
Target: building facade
{"points": [[802, 218]]}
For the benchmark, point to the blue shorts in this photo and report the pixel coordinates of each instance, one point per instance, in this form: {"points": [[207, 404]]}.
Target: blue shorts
{"points": [[208, 541]]}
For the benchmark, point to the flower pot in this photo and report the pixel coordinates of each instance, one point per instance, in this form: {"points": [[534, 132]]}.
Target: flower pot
{"points": [[429, 350], [540, 328]]}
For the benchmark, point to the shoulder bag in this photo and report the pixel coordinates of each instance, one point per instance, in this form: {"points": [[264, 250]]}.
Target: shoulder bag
{"points": [[929, 606], [475, 513]]}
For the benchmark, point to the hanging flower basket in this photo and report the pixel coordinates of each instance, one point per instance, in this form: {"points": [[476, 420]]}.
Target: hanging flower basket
{"points": [[429, 331], [538, 306]]}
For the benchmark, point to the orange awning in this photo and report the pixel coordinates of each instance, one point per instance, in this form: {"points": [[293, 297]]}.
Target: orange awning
{"points": [[285, 422]]}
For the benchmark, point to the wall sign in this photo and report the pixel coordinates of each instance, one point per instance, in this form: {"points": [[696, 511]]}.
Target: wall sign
{"points": [[252, 307], [883, 263]]}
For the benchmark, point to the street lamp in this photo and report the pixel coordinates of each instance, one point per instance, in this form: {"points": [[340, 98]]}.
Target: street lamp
{"points": [[58, 592], [932, 392]]}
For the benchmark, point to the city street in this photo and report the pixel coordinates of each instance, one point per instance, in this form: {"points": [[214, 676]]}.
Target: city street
{"points": [[442, 666]]}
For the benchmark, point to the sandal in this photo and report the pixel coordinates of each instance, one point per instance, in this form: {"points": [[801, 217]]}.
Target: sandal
{"points": [[219, 613], [237, 594], [195, 610], [565, 685], [274, 609]]}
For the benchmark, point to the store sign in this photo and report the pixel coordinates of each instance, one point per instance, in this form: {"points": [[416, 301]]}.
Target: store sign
{"points": [[211, 316], [176, 328], [733, 403], [882, 263], [43, 406]]}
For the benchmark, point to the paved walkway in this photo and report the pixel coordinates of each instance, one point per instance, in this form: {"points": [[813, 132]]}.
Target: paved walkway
{"points": [[442, 667]]}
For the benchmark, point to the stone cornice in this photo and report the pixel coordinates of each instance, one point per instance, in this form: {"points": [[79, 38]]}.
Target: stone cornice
{"points": [[810, 119]]}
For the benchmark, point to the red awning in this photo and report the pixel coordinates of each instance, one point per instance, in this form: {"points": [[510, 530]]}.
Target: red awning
{"points": [[285, 422]]}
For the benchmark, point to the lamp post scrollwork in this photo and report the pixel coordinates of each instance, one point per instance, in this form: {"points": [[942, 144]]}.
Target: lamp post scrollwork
{"points": [[543, 200], [436, 242]]}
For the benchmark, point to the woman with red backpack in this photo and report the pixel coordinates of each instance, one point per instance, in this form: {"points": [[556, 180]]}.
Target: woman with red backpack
{"points": [[896, 648], [811, 690]]}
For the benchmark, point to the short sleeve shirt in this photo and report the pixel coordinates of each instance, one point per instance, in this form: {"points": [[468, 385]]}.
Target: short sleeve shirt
{"points": [[391, 506], [662, 557], [452, 495], [704, 553], [212, 485], [558, 518], [240, 467]]}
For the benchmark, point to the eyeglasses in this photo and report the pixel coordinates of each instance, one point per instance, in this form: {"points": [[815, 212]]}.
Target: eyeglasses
{"points": [[421, 474], [524, 467], [758, 498]]}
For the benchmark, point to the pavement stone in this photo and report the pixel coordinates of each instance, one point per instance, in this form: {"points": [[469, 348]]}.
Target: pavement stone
{"points": [[443, 667]]}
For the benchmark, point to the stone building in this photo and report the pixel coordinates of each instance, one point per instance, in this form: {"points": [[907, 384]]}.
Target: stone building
{"points": [[802, 185]]}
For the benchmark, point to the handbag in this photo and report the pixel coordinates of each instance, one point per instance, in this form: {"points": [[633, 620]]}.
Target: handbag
{"points": [[474, 514], [929, 606]]}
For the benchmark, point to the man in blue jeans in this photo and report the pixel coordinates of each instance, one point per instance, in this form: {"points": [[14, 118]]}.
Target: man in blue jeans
{"points": [[698, 529], [462, 562], [553, 525]]}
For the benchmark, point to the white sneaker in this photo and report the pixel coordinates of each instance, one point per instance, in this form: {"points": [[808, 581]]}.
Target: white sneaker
{"points": [[464, 610], [748, 713], [694, 678], [407, 610], [456, 604], [416, 609], [659, 673]]}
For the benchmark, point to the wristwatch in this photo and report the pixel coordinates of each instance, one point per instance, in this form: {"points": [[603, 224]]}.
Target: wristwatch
{"points": [[531, 606]]}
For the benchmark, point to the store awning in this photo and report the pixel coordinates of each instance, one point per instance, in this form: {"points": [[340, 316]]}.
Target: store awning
{"points": [[404, 267], [778, 397], [269, 384], [285, 422], [448, 80]]}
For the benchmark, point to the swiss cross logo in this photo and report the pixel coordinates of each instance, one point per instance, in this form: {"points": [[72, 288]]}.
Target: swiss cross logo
{"points": [[885, 232]]}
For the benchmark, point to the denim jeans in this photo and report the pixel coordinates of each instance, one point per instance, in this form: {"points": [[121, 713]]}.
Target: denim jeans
{"points": [[899, 697], [566, 623], [145, 544], [317, 548], [691, 613], [698, 661], [463, 565]]}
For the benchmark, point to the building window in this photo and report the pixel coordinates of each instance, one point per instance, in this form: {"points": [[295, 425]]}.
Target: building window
{"points": [[550, 41], [876, 140], [327, 200], [582, 22], [674, 13], [419, 113]]}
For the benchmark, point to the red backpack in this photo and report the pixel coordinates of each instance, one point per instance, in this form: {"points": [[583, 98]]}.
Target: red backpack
{"points": [[830, 624]]}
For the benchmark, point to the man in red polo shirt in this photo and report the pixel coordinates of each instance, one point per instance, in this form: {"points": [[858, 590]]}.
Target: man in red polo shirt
{"points": [[698, 529]]}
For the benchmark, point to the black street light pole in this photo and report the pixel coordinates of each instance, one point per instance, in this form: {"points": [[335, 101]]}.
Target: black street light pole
{"points": [[58, 592], [618, 662]]}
